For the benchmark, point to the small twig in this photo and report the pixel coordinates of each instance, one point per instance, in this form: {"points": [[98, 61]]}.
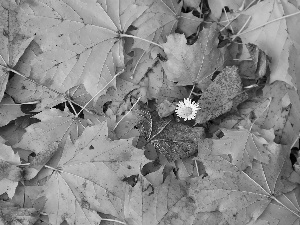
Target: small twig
{"points": [[51, 168], [111, 220], [197, 169], [24, 164]]}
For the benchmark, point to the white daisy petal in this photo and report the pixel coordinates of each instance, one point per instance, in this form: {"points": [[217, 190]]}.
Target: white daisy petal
{"points": [[187, 109]]}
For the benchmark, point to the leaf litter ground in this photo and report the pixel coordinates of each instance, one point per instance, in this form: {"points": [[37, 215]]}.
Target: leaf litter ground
{"points": [[89, 133]]}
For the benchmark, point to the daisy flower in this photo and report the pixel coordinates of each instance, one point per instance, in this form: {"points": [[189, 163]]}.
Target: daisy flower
{"points": [[187, 109]]}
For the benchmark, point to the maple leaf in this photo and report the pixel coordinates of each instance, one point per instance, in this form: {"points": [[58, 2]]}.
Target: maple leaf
{"points": [[54, 127], [273, 34], [165, 204], [10, 174], [159, 20], [189, 64], [78, 42], [221, 96], [89, 177], [9, 110], [243, 146], [242, 196], [14, 40]]}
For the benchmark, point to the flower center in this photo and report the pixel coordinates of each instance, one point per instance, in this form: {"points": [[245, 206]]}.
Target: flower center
{"points": [[188, 111]]}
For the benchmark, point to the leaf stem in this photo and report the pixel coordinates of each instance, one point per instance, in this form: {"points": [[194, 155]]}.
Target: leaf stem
{"points": [[83, 108], [132, 36], [272, 21]]}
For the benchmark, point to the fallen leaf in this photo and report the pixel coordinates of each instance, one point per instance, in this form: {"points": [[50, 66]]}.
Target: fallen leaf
{"points": [[162, 205], [188, 23], [270, 35], [9, 110], [83, 46], [55, 125], [175, 140], [10, 173], [242, 196], [243, 146], [11, 214], [158, 21], [216, 6], [189, 64], [89, 177], [14, 40]]}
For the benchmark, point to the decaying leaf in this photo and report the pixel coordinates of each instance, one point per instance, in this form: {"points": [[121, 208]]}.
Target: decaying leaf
{"points": [[221, 96], [175, 140], [189, 64]]}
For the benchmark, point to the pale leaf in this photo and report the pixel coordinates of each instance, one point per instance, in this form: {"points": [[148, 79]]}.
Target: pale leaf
{"points": [[273, 34], [13, 39], [242, 196], [79, 42], [90, 177]]}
